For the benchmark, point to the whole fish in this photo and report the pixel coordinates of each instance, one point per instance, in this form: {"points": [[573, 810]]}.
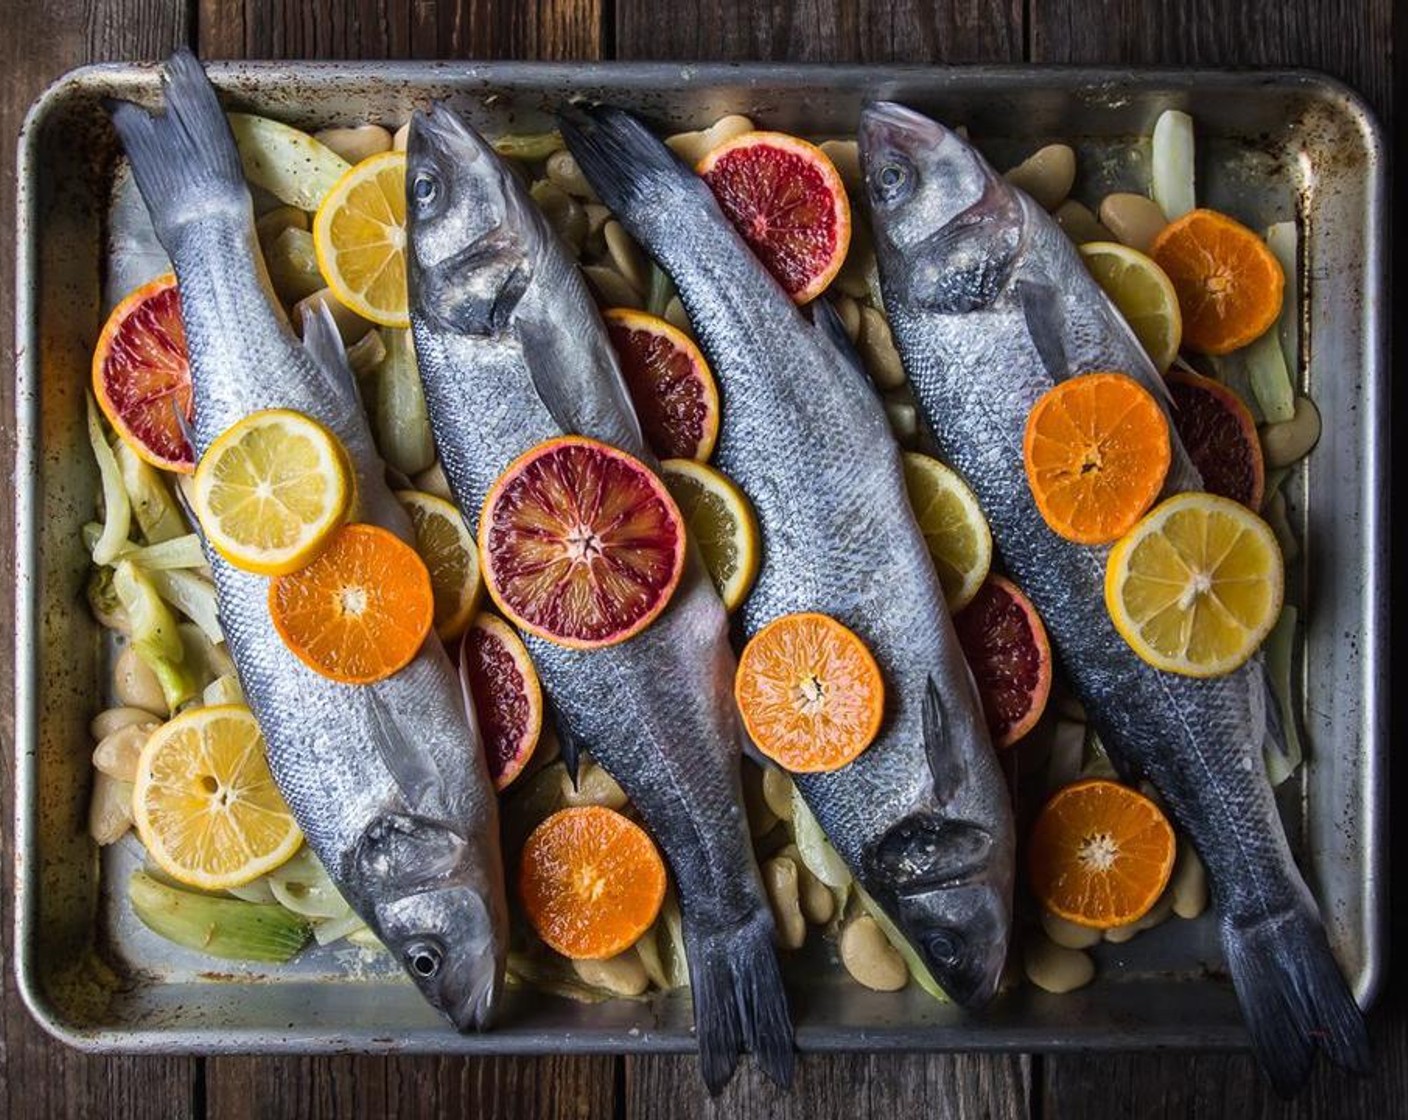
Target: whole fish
{"points": [[991, 306], [922, 817], [387, 781], [512, 352]]}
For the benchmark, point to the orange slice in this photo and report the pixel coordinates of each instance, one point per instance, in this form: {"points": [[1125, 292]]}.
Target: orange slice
{"points": [[670, 383], [360, 611], [1100, 854], [1097, 451], [810, 693], [508, 700], [1229, 283], [591, 882]]}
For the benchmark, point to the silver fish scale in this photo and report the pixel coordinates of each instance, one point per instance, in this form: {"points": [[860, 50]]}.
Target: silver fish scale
{"points": [[321, 734], [977, 376]]}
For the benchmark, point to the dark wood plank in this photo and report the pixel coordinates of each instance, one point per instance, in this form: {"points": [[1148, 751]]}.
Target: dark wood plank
{"points": [[38, 1076], [409, 1088], [824, 31]]}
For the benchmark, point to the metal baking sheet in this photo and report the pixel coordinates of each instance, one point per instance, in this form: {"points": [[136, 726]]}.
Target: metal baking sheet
{"points": [[1271, 145]]}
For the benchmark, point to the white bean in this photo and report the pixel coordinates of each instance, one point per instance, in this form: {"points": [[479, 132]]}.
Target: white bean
{"points": [[1189, 885], [1134, 219], [694, 146], [626, 256], [817, 901], [115, 719], [1080, 224], [116, 755], [356, 144], [1054, 968], [594, 244], [1157, 915], [761, 818], [777, 792], [877, 347], [1069, 935], [400, 137], [870, 958], [1291, 440], [621, 975], [1047, 175], [845, 154], [784, 895], [110, 811], [904, 421], [432, 480], [594, 787], [611, 287], [848, 311], [562, 170], [135, 685]]}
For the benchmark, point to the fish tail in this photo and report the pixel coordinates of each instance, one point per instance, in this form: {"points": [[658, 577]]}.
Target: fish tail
{"points": [[739, 1001], [184, 159], [1294, 997]]}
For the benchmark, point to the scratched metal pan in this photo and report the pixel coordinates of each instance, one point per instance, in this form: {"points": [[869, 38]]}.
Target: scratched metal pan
{"points": [[1271, 146]]}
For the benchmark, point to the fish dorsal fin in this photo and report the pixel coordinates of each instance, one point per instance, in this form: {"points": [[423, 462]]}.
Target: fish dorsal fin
{"points": [[946, 761], [569, 749], [407, 852], [324, 345], [412, 770]]}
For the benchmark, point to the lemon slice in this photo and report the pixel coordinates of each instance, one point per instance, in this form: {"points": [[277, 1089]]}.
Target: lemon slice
{"points": [[205, 804], [270, 490], [359, 236], [953, 525], [451, 555], [1196, 586], [720, 522], [1144, 295]]}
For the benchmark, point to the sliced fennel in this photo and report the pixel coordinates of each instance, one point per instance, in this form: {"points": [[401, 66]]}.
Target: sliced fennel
{"points": [[255, 891], [1270, 379], [399, 417], [154, 633], [1283, 241], [219, 927], [223, 690], [531, 147], [335, 929], [117, 510], [289, 164], [175, 552], [156, 511], [814, 848], [1172, 174], [192, 595], [1279, 648], [303, 886], [917, 968]]}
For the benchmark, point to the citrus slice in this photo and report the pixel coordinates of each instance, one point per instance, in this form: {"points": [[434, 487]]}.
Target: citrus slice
{"points": [[786, 199], [720, 522], [1143, 294], [953, 525], [1100, 854], [591, 882], [1005, 643], [205, 804], [449, 552], [580, 543], [270, 490], [1219, 434], [508, 701], [670, 383], [1196, 586], [810, 693], [359, 236], [142, 374], [1097, 451], [1229, 284], [360, 611]]}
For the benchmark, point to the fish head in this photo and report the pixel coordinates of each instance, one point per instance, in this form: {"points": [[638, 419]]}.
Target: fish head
{"points": [[469, 235], [944, 883], [948, 229], [437, 908]]}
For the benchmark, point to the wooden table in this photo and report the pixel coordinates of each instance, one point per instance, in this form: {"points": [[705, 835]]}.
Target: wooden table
{"points": [[1349, 38]]}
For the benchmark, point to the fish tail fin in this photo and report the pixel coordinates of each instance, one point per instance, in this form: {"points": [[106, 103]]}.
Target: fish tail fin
{"points": [[184, 159], [629, 166], [739, 1001], [1294, 997]]}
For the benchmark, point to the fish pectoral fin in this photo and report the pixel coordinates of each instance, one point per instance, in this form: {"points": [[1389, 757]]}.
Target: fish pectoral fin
{"points": [[947, 763], [829, 326], [413, 771], [323, 344], [476, 291], [968, 263], [1046, 324], [405, 852]]}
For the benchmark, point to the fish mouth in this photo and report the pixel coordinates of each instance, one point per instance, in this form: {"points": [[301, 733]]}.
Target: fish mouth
{"points": [[476, 1010], [888, 123]]}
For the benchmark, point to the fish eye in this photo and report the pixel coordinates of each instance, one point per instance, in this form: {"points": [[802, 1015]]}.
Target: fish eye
{"points": [[891, 175], [893, 180], [424, 189], [943, 946], [424, 958]]}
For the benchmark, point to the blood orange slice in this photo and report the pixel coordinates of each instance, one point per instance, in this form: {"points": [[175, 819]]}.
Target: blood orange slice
{"points": [[1005, 643], [788, 201], [580, 543], [670, 383], [508, 700], [141, 374], [1220, 437]]}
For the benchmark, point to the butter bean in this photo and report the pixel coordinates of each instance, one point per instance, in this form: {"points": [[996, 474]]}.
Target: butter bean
{"points": [[621, 975], [115, 719], [110, 810], [626, 256], [1157, 915], [1291, 440], [562, 171], [761, 818], [1054, 968], [877, 347], [135, 685], [1080, 224], [356, 144], [1134, 219], [817, 902], [116, 754], [564, 213], [1069, 935], [782, 883], [870, 958], [904, 421], [1047, 175], [694, 146], [848, 311], [1189, 885], [432, 480], [777, 792], [400, 136]]}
